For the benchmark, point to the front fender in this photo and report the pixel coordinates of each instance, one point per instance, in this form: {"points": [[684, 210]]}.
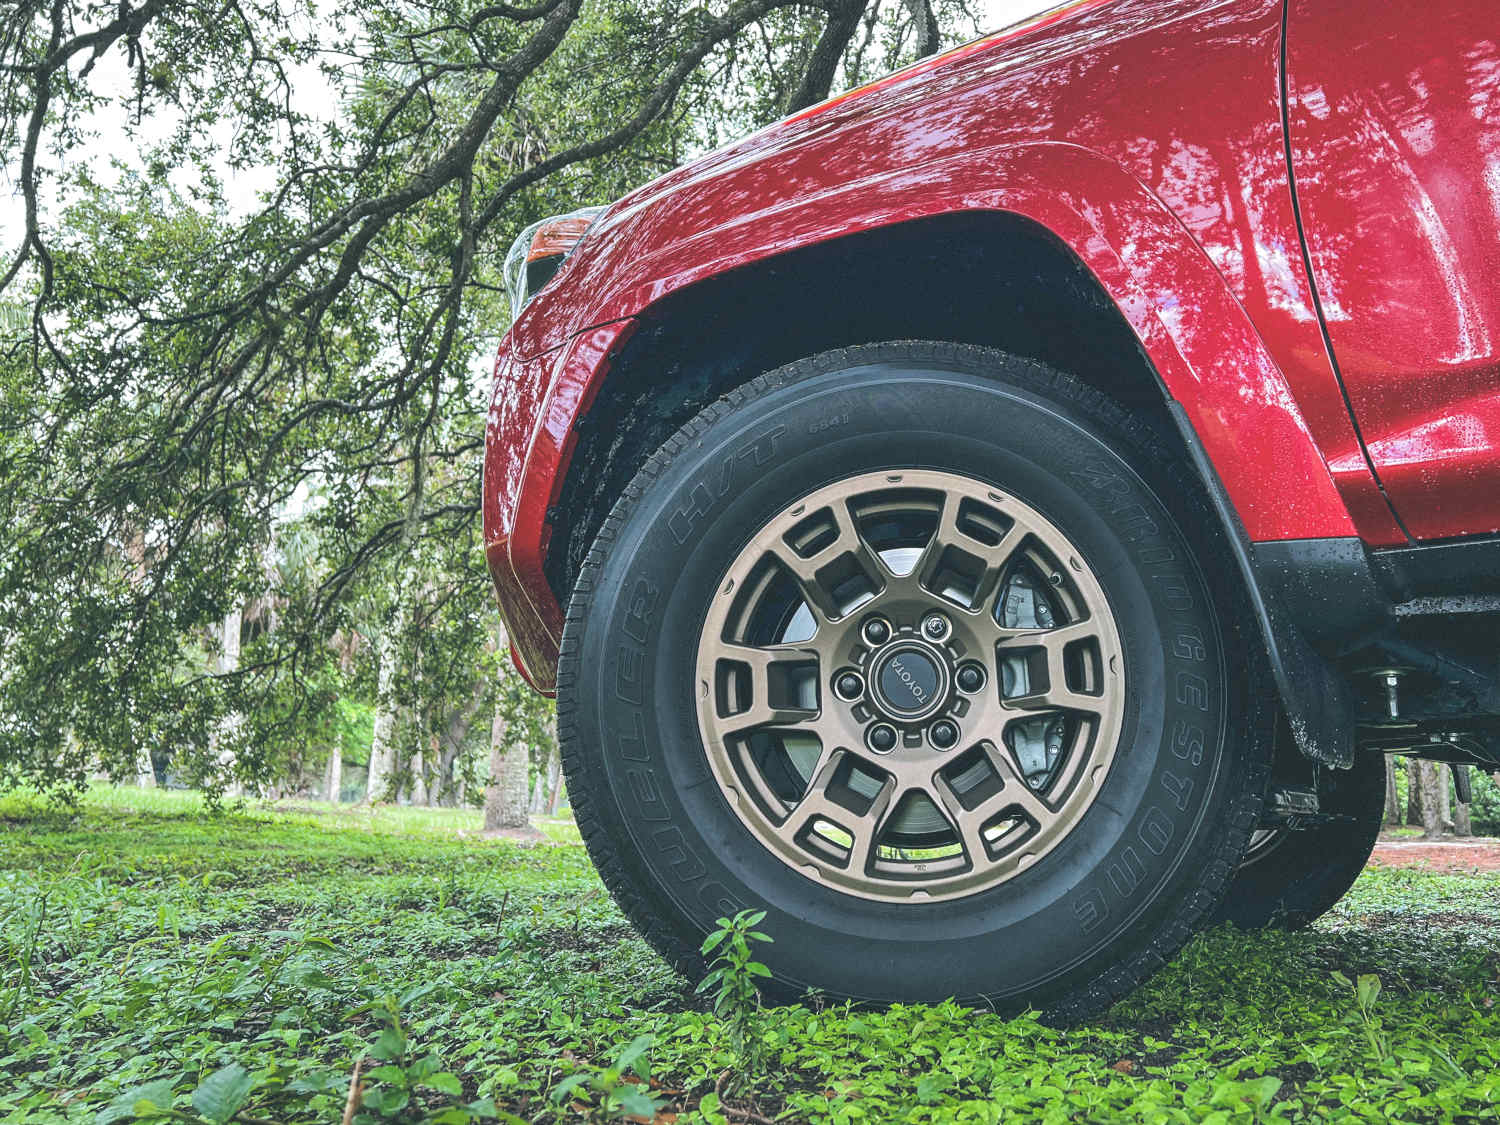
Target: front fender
{"points": [[529, 439]]}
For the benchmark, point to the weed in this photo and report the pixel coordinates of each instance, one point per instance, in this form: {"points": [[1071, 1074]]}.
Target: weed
{"points": [[1366, 990], [22, 930], [607, 1093], [731, 978]]}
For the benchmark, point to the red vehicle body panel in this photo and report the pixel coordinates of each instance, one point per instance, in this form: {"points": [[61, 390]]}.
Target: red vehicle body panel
{"points": [[1146, 135], [536, 402], [1395, 128]]}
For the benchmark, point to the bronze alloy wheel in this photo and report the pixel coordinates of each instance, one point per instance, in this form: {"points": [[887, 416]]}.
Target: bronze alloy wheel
{"points": [[910, 685]]}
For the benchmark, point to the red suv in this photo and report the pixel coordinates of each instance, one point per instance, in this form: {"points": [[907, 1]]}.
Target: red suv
{"points": [[996, 521]]}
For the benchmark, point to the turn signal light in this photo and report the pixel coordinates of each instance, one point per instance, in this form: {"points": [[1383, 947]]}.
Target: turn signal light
{"points": [[540, 250]]}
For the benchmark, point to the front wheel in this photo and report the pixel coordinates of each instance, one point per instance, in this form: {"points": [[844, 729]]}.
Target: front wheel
{"points": [[923, 650]]}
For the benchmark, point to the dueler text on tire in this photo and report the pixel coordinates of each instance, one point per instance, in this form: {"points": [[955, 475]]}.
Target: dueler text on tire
{"points": [[925, 650], [1289, 878]]}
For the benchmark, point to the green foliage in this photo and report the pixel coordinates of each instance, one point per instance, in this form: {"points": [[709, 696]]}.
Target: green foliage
{"points": [[1485, 808], [188, 962], [606, 1093], [403, 1074], [244, 335], [158, 959]]}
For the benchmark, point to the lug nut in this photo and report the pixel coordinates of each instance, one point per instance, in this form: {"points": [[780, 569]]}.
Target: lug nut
{"points": [[970, 678], [882, 738], [935, 626], [849, 685], [943, 734], [877, 632]]}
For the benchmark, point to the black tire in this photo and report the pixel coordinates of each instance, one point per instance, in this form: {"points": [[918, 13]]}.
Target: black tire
{"points": [[1296, 877], [1151, 857]]}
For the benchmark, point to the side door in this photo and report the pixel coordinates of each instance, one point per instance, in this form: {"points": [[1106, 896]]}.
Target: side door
{"points": [[1394, 130]]}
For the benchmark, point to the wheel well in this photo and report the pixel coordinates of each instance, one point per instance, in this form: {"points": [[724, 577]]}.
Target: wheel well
{"points": [[973, 277]]}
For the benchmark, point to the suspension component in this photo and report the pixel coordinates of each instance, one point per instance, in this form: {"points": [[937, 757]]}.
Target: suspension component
{"points": [[1390, 680]]}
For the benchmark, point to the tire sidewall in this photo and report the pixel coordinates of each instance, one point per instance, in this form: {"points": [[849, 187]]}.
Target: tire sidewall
{"points": [[1107, 889]]}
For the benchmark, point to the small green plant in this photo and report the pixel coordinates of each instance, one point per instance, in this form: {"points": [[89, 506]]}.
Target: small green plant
{"points": [[732, 979], [606, 1093], [404, 1074], [27, 924], [1366, 991]]}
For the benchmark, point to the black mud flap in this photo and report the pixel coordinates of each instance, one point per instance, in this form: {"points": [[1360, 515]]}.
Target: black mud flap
{"points": [[1330, 576]]}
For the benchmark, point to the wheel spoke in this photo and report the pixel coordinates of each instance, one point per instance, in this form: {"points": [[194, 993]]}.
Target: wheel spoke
{"points": [[1054, 640], [762, 661], [1057, 696], [812, 574], [817, 802], [994, 557], [1013, 793]]}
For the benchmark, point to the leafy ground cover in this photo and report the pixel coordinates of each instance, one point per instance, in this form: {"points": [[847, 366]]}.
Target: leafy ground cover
{"points": [[157, 962]]}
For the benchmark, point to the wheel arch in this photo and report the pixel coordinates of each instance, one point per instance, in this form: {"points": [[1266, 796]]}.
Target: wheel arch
{"points": [[991, 278]]}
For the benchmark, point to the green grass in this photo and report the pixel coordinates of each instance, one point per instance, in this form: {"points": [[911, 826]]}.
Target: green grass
{"points": [[156, 960], [381, 819]]}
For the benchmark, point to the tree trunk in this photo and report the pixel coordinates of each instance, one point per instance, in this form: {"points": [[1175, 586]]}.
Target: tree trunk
{"points": [[419, 778], [822, 65], [1463, 824], [538, 802], [554, 767], [554, 785], [335, 774], [1432, 809], [1445, 796], [135, 550], [1413, 793], [442, 768], [924, 22], [505, 796], [145, 772], [437, 783], [448, 746], [228, 661], [447, 777], [1392, 796], [383, 743]]}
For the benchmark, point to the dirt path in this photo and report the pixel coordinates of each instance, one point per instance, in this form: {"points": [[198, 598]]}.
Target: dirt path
{"points": [[1478, 854]]}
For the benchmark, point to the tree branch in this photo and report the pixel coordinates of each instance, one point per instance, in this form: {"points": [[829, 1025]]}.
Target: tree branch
{"points": [[926, 25], [817, 77]]}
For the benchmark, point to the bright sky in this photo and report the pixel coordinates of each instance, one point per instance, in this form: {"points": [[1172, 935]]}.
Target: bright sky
{"points": [[995, 14]]}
